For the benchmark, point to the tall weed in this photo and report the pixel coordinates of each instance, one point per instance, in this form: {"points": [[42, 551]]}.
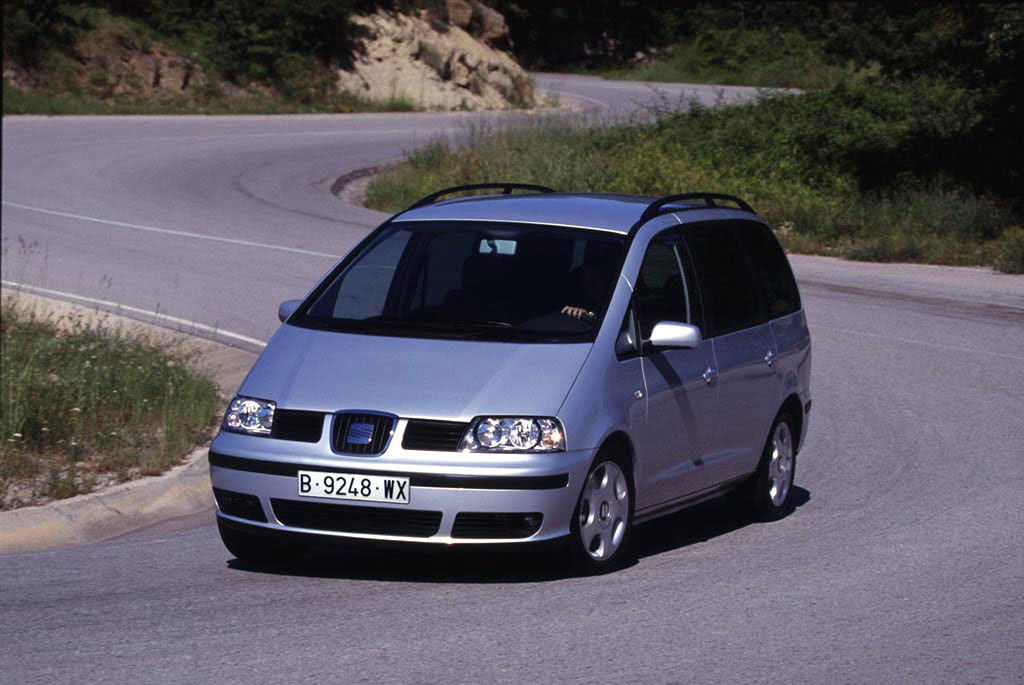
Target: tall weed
{"points": [[73, 392]]}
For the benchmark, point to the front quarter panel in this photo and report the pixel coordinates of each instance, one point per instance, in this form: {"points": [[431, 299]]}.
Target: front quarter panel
{"points": [[603, 399]]}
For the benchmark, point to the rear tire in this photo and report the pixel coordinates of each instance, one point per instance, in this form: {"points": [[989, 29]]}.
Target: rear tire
{"points": [[259, 548], [603, 518], [770, 491]]}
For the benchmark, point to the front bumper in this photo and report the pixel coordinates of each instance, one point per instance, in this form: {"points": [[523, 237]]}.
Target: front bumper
{"points": [[447, 483]]}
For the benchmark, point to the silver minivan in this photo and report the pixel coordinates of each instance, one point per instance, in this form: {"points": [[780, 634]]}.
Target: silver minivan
{"points": [[519, 368]]}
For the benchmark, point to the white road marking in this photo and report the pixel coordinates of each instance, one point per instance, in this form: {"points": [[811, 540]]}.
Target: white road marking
{"points": [[159, 316], [940, 346], [575, 96], [168, 231]]}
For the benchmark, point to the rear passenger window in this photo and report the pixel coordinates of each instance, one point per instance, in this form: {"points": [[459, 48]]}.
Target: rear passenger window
{"points": [[727, 285], [771, 269]]}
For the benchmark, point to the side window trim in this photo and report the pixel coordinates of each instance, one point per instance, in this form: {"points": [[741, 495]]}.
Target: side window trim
{"points": [[696, 307], [682, 277]]}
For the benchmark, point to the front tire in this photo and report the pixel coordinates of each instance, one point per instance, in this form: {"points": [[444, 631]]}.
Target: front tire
{"points": [[771, 496], [603, 519], [258, 548]]}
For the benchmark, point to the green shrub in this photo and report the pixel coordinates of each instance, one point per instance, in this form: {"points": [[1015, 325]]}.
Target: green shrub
{"points": [[737, 56], [841, 168], [1009, 251]]}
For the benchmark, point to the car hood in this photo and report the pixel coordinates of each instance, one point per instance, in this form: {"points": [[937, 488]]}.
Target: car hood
{"points": [[413, 377]]}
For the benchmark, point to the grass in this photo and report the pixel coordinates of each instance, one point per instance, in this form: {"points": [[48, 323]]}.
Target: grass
{"points": [[85, 404], [24, 101], [739, 57], [830, 171]]}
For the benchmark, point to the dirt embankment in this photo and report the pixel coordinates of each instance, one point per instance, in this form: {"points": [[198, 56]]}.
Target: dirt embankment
{"points": [[454, 57]]}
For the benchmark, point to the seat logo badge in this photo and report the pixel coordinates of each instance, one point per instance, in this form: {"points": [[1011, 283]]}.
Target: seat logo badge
{"points": [[359, 434]]}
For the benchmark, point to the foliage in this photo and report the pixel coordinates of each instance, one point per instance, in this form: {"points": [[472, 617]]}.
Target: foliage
{"points": [[829, 169], [560, 34], [606, 33], [1009, 251], [77, 395], [288, 44], [257, 40], [734, 56], [31, 27], [971, 52], [976, 48]]}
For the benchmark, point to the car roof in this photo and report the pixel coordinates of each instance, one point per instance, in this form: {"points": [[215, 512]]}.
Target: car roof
{"points": [[600, 211]]}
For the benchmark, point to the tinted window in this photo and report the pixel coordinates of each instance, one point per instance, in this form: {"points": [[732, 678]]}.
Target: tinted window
{"points": [[664, 290], [776, 285], [727, 284], [461, 279]]}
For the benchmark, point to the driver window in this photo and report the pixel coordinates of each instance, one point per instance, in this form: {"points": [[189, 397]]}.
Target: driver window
{"points": [[662, 292]]}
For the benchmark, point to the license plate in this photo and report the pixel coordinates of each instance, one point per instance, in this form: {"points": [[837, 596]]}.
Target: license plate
{"points": [[355, 487]]}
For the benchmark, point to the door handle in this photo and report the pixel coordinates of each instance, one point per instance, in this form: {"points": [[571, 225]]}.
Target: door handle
{"points": [[769, 358], [709, 375]]}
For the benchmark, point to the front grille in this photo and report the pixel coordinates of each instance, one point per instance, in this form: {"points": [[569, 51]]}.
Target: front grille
{"points": [[436, 436], [294, 424], [496, 526], [240, 505], [363, 434], [346, 518]]}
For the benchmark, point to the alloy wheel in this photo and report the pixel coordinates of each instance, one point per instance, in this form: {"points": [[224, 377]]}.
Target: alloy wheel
{"points": [[604, 511]]}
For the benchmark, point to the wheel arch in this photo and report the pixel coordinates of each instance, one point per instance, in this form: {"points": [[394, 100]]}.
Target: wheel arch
{"points": [[620, 442], [792, 406]]}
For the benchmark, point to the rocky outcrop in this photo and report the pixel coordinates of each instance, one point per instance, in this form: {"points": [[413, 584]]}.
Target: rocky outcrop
{"points": [[116, 64], [480, 21], [437, 66], [460, 13], [152, 73]]}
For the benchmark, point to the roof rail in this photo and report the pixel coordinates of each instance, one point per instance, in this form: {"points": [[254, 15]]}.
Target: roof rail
{"points": [[659, 206], [506, 189]]}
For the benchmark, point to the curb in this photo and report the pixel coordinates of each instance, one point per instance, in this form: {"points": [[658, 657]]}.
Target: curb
{"points": [[97, 516]]}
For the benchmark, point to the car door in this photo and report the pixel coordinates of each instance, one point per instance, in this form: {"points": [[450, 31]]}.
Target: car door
{"points": [[679, 426], [743, 344]]}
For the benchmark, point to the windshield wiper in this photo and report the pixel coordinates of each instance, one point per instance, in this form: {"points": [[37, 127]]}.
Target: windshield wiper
{"points": [[489, 324]]}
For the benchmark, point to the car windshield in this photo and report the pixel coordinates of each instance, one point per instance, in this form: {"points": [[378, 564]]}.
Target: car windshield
{"points": [[480, 280]]}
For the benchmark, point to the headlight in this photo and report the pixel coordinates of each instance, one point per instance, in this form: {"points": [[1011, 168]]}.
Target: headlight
{"points": [[250, 416], [513, 434]]}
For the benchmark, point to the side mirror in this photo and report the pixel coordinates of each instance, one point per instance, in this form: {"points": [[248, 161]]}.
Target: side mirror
{"points": [[675, 334], [287, 308]]}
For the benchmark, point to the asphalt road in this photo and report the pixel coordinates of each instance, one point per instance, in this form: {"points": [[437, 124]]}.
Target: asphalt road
{"points": [[903, 562]]}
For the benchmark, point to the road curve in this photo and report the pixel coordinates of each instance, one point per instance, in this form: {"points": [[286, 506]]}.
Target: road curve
{"points": [[904, 560]]}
